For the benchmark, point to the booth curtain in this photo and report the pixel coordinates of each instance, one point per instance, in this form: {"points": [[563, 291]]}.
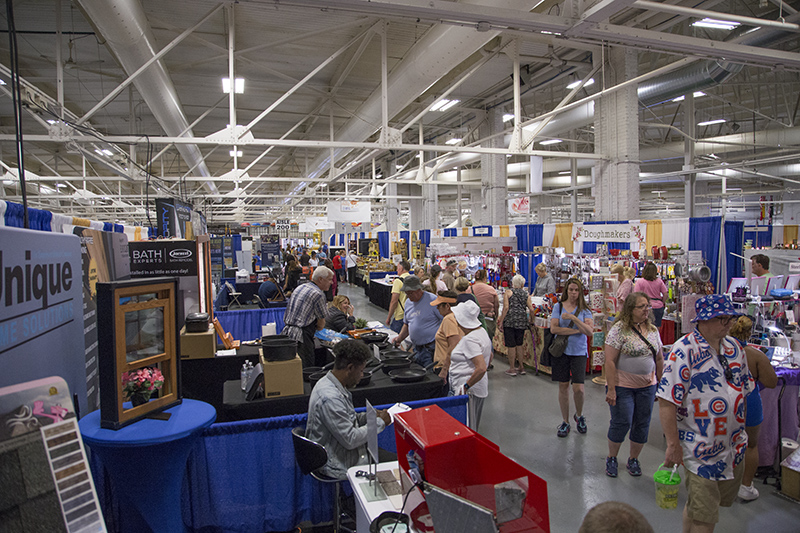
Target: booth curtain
{"points": [[490, 234], [245, 324], [407, 236], [38, 219], [704, 235], [760, 235], [242, 476], [734, 242], [425, 236], [383, 243], [450, 232], [528, 237]]}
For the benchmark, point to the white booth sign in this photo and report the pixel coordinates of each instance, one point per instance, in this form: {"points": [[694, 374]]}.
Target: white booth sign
{"points": [[632, 232]]}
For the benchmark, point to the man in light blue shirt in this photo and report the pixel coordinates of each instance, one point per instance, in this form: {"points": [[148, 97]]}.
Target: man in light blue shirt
{"points": [[420, 322], [332, 419]]}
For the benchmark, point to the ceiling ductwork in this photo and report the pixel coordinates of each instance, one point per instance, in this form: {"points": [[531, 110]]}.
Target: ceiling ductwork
{"points": [[124, 26]]}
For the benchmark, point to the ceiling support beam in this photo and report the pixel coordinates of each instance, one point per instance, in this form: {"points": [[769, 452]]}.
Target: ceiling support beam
{"points": [[716, 15]]}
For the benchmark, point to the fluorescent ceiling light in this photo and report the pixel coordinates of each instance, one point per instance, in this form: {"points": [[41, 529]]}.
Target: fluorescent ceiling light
{"points": [[237, 153], [107, 152], [52, 121], [238, 85], [507, 117], [657, 192], [61, 185], [454, 140], [711, 122], [444, 104], [716, 24], [2, 82], [564, 172], [697, 94], [550, 141], [576, 83]]}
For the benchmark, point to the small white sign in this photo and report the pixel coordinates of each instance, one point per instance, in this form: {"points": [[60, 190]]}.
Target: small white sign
{"points": [[794, 267], [481, 231], [695, 256]]}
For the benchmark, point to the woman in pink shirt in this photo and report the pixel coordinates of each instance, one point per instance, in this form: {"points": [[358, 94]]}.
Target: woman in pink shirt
{"points": [[653, 287]]}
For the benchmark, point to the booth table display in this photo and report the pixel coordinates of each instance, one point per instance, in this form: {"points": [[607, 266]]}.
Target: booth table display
{"points": [[367, 511], [380, 293], [202, 379], [381, 390], [768, 439], [245, 324], [146, 462]]}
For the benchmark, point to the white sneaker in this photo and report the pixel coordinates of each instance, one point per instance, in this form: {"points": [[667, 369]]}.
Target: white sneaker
{"points": [[748, 493]]}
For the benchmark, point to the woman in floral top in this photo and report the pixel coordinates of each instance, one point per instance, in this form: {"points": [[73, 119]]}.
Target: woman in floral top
{"points": [[634, 364]]}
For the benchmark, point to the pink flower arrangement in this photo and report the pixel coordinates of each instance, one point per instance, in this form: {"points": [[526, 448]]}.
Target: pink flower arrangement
{"points": [[143, 381]]}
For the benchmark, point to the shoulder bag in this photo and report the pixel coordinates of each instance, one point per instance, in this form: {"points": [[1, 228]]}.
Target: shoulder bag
{"points": [[647, 342], [559, 342]]}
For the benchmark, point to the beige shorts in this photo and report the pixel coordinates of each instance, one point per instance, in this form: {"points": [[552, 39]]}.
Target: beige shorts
{"points": [[706, 495]]}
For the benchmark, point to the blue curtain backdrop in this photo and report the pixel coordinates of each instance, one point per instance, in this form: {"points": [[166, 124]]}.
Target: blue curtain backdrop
{"points": [[38, 219], [246, 324], [760, 238], [734, 242], [450, 232], [242, 476], [529, 236], [383, 243], [474, 233], [704, 235], [425, 236]]}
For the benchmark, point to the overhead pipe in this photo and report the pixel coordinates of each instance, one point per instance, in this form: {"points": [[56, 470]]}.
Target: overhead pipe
{"points": [[128, 35]]}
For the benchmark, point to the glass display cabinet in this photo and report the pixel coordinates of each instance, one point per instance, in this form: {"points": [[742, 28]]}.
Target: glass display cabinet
{"points": [[138, 339]]}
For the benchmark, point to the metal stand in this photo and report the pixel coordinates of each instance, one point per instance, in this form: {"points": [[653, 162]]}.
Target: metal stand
{"points": [[775, 469]]}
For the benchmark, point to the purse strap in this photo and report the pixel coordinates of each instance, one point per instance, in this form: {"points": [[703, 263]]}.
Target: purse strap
{"points": [[647, 342]]}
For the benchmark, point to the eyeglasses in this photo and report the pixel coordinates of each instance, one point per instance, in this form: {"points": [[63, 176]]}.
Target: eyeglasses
{"points": [[726, 320], [725, 367], [643, 306]]}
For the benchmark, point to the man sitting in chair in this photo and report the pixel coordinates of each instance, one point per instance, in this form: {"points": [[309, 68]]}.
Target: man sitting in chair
{"points": [[269, 291], [332, 419]]}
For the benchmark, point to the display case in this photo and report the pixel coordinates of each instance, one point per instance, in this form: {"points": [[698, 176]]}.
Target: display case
{"points": [[137, 328]]}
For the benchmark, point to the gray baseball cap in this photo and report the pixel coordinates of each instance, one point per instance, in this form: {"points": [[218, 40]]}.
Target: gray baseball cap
{"points": [[411, 283]]}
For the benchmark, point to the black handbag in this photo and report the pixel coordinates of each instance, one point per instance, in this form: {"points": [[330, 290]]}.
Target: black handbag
{"points": [[559, 342]]}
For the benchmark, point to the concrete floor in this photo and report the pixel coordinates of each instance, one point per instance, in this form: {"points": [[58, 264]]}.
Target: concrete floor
{"points": [[521, 415]]}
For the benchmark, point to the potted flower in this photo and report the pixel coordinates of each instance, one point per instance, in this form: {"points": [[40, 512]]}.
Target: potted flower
{"points": [[139, 385]]}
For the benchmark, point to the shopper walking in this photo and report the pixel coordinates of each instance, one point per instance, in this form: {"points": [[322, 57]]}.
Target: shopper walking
{"points": [[653, 286], [469, 361], [764, 374], [434, 282], [634, 364], [513, 322], [352, 264], [701, 400], [571, 316], [625, 277]]}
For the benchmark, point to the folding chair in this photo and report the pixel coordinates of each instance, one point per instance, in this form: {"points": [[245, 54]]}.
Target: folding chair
{"points": [[233, 295]]}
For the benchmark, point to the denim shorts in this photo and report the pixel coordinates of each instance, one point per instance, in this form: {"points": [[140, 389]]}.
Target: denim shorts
{"points": [[631, 412]]}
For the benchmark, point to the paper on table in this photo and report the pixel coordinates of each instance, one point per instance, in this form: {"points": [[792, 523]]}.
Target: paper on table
{"points": [[221, 353], [396, 409]]}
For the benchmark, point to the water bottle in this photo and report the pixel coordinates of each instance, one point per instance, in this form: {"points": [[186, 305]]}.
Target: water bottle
{"points": [[243, 376], [250, 370]]}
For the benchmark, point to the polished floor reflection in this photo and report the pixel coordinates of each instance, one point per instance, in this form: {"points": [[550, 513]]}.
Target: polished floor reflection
{"points": [[521, 415]]}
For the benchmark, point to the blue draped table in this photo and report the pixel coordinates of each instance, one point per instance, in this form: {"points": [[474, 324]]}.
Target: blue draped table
{"points": [[242, 476], [245, 324], [145, 463], [768, 439]]}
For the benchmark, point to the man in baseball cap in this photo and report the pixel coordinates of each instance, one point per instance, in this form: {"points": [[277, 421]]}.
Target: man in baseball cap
{"points": [[448, 277], [705, 381], [420, 321]]}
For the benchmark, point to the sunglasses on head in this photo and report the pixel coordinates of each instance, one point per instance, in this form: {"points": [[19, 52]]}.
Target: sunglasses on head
{"points": [[725, 367]]}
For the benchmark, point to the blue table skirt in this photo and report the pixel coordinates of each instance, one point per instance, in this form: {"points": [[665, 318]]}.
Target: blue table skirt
{"points": [[242, 476], [245, 324]]}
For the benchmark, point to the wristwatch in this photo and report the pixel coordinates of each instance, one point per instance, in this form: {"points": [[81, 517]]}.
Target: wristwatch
{"points": [[466, 387]]}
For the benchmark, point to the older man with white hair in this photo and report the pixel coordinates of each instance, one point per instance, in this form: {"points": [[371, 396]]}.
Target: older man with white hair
{"points": [[306, 311]]}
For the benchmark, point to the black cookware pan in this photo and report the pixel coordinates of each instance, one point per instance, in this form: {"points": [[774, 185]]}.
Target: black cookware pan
{"points": [[407, 375]]}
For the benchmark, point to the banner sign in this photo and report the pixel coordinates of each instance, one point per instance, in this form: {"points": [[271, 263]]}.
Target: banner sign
{"points": [[270, 250], [282, 224], [519, 206], [629, 232], [104, 258], [349, 211], [174, 219], [163, 258], [41, 309]]}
